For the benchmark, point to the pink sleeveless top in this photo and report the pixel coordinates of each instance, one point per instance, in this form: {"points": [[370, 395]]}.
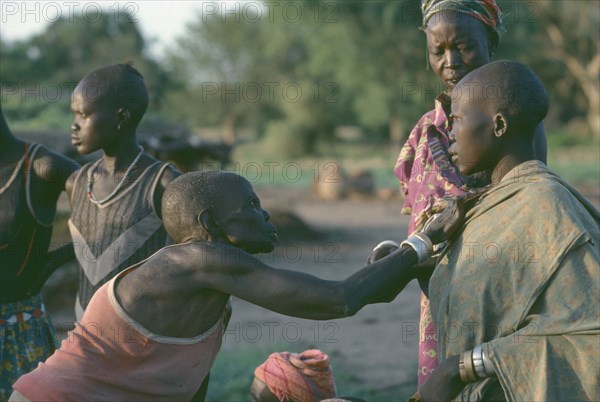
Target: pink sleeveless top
{"points": [[111, 357]]}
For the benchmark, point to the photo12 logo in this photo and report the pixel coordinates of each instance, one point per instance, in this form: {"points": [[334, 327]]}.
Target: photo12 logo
{"points": [[38, 92], [52, 11], [256, 12], [268, 91]]}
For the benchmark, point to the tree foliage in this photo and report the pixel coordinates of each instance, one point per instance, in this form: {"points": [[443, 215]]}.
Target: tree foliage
{"points": [[302, 68], [39, 74], [367, 61]]}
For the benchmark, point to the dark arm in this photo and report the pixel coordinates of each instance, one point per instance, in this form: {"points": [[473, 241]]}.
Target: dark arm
{"points": [[56, 172], [230, 270], [298, 294]]}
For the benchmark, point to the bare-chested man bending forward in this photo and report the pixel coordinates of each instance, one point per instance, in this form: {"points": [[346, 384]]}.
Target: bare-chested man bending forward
{"points": [[154, 331]]}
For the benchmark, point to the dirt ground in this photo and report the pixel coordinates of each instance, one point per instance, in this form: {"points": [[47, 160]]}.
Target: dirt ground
{"points": [[379, 344]]}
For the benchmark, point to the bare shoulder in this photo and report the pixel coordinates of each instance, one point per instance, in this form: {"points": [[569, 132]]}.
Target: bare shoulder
{"points": [[70, 183], [168, 175], [192, 255], [53, 167], [212, 260], [188, 264], [49, 177]]}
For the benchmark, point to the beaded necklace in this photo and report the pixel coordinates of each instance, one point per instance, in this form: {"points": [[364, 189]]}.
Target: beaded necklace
{"points": [[90, 180]]}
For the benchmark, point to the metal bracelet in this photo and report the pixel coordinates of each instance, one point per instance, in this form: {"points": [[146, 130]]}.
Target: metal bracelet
{"points": [[478, 362], [419, 246], [426, 240], [468, 358], [385, 243], [487, 364]]}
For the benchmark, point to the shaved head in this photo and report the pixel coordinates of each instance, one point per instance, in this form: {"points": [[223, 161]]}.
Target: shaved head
{"points": [[190, 194], [118, 86], [509, 87]]}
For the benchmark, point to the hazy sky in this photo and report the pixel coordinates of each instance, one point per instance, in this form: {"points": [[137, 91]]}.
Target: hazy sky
{"points": [[159, 21]]}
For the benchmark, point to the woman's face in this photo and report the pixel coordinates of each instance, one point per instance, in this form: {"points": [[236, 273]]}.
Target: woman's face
{"points": [[457, 44]]}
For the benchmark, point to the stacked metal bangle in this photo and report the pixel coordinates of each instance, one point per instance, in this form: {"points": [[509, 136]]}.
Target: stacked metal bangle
{"points": [[421, 244], [474, 365], [487, 364], [478, 362], [385, 243], [469, 370]]}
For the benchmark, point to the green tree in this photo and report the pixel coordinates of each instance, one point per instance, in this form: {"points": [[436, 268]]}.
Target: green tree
{"points": [[559, 40], [346, 59], [216, 70], [41, 72]]}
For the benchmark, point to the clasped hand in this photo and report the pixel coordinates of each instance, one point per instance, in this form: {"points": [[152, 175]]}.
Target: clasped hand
{"points": [[439, 227]]}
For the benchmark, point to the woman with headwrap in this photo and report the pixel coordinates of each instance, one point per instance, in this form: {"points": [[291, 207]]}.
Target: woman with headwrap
{"points": [[462, 35]]}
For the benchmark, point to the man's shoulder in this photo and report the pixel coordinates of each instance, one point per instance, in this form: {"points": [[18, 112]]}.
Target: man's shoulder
{"points": [[52, 165], [202, 262], [198, 253]]}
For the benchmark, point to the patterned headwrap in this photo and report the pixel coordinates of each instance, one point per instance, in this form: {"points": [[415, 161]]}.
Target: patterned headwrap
{"points": [[305, 377], [486, 11]]}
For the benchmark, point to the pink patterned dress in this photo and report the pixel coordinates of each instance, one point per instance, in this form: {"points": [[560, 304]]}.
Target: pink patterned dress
{"points": [[426, 175]]}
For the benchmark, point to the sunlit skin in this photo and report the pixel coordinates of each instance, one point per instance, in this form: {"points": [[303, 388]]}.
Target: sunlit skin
{"points": [[241, 220], [472, 133], [95, 120], [485, 138], [100, 124], [247, 224], [95, 127], [457, 44], [216, 219]]}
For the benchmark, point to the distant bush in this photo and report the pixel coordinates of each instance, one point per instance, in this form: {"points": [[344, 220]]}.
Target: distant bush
{"points": [[283, 140], [566, 138]]}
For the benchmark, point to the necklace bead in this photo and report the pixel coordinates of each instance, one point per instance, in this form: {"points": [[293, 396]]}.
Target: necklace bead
{"points": [[90, 180]]}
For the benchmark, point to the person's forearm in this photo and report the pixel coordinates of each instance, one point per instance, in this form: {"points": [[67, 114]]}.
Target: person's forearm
{"points": [[381, 281], [296, 293]]}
